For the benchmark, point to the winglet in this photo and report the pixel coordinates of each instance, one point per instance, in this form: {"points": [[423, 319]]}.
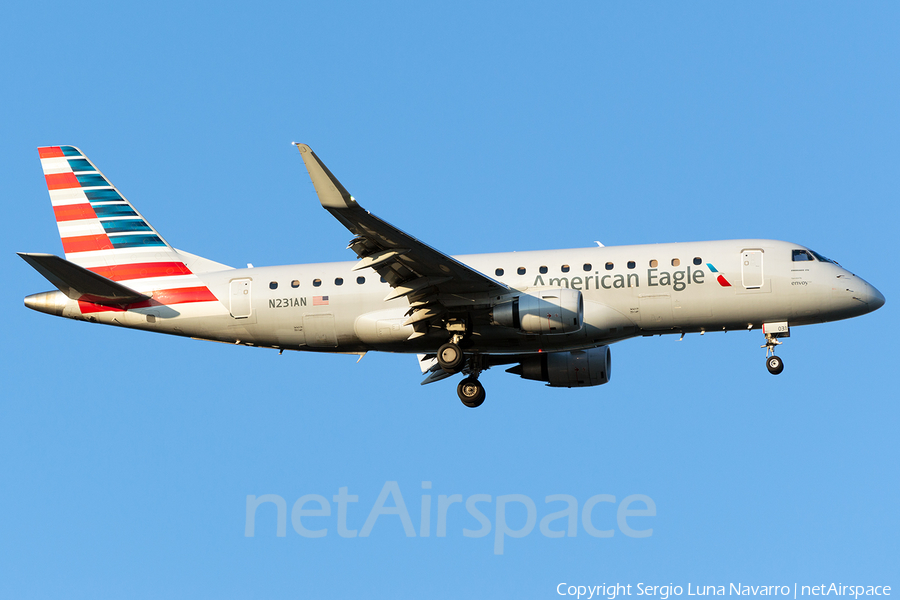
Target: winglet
{"points": [[331, 193]]}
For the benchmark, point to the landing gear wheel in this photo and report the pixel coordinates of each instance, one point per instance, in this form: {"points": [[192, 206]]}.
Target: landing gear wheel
{"points": [[775, 365], [450, 357], [471, 392]]}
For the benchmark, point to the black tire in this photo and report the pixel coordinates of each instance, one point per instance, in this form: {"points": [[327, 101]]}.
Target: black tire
{"points": [[775, 365], [450, 357], [471, 392]]}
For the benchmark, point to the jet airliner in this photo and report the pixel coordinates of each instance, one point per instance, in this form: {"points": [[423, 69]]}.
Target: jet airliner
{"points": [[549, 315]]}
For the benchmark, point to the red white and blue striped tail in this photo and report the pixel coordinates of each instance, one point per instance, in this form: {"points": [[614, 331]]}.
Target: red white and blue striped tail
{"points": [[95, 221], [102, 232]]}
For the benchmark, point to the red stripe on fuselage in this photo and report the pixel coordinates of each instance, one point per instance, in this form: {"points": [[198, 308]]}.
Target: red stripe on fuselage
{"points": [[86, 243], [183, 295], [141, 270], [62, 181], [160, 298], [74, 212], [51, 152]]}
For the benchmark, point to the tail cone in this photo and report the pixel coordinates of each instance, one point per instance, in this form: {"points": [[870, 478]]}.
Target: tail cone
{"points": [[51, 303]]}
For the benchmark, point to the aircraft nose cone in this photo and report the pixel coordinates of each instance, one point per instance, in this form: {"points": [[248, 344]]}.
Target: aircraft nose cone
{"points": [[874, 298]]}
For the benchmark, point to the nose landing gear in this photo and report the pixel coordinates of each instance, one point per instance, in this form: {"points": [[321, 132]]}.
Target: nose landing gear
{"points": [[774, 364], [773, 331]]}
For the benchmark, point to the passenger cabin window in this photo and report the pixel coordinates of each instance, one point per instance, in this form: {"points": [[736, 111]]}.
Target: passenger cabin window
{"points": [[564, 268], [543, 270], [498, 272], [609, 266], [800, 255], [698, 260], [631, 264], [317, 282], [273, 285], [654, 263], [295, 284], [338, 281], [587, 266], [520, 270], [675, 262], [360, 280]]}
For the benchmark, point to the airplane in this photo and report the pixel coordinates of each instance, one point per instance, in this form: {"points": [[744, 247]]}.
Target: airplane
{"points": [[551, 314]]}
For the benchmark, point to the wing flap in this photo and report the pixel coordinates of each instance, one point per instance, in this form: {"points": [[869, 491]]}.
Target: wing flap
{"points": [[415, 285], [377, 259]]}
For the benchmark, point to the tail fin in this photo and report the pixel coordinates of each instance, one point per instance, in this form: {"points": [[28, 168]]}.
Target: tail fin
{"points": [[102, 232], [96, 223]]}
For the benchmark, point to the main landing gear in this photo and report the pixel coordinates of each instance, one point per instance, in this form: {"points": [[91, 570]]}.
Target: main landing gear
{"points": [[471, 392], [451, 359]]}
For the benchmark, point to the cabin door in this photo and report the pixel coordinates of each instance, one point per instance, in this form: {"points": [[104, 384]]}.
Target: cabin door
{"points": [[240, 298], [752, 268]]}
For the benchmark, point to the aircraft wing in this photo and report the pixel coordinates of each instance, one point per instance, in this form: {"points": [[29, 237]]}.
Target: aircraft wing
{"points": [[433, 281]]}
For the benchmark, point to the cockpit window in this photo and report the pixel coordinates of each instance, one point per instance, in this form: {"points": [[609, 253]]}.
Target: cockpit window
{"points": [[823, 258], [807, 255]]}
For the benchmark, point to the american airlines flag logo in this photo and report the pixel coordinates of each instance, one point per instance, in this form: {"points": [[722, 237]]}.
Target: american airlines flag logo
{"points": [[320, 300]]}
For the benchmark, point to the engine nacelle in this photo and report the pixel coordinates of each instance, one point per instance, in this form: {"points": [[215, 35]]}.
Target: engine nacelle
{"points": [[578, 368], [547, 311]]}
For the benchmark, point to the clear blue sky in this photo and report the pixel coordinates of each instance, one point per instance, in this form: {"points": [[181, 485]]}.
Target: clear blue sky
{"points": [[126, 458]]}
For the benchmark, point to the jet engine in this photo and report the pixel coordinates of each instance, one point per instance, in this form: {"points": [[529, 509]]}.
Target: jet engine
{"points": [[578, 368], [547, 311]]}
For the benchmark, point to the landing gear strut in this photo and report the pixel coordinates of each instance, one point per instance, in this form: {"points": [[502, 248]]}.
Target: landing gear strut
{"points": [[471, 392]]}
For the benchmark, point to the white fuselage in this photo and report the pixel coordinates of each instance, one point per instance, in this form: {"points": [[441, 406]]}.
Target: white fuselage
{"points": [[627, 291]]}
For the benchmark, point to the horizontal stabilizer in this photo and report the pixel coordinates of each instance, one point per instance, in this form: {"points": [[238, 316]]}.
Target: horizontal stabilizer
{"points": [[80, 284]]}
